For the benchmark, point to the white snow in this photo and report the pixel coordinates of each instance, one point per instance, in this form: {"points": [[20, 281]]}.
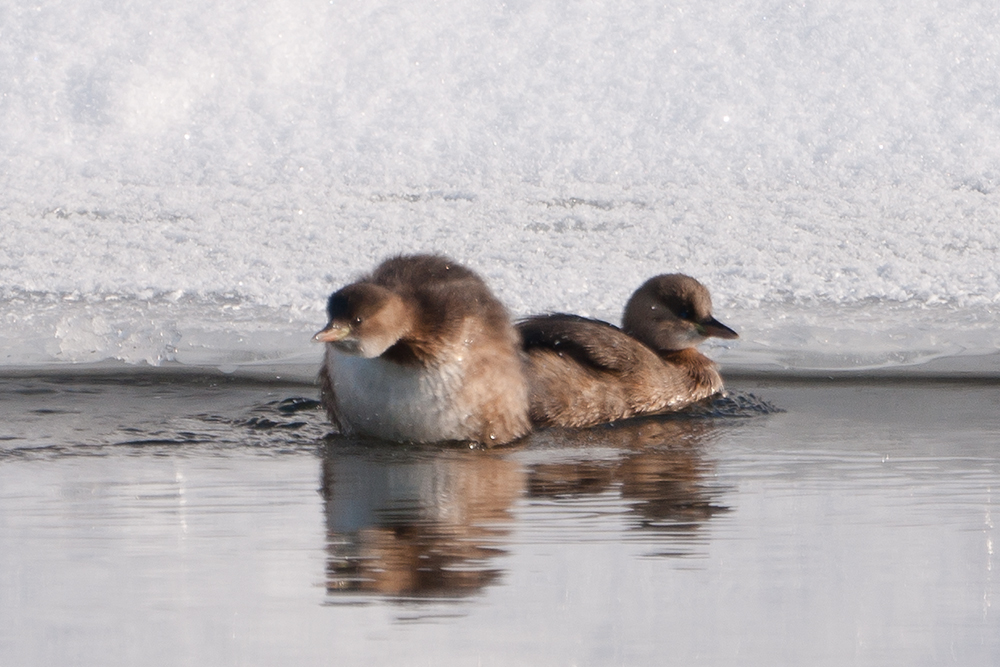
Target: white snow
{"points": [[188, 181]]}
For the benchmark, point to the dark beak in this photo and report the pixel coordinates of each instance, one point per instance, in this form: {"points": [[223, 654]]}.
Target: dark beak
{"points": [[715, 328]]}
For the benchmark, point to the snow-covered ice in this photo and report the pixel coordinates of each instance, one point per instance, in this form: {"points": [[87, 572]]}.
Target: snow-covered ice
{"points": [[188, 181]]}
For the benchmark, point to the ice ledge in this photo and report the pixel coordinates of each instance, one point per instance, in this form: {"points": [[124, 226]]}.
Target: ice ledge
{"points": [[979, 369]]}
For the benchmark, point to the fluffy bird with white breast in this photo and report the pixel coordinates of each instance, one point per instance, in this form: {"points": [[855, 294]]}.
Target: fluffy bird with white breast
{"points": [[420, 350]]}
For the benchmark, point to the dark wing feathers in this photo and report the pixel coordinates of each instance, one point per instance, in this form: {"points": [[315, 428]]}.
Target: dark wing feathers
{"points": [[591, 342]]}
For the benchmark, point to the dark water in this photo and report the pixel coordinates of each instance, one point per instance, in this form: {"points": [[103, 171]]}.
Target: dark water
{"points": [[205, 521]]}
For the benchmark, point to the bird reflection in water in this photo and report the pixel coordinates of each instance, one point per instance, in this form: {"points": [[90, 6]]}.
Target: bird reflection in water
{"points": [[657, 467], [416, 522], [430, 521]]}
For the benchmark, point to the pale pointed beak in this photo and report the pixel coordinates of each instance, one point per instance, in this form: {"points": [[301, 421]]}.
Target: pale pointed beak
{"points": [[332, 333], [713, 327]]}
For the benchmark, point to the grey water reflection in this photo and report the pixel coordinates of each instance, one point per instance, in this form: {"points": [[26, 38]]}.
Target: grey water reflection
{"points": [[432, 522], [657, 468]]}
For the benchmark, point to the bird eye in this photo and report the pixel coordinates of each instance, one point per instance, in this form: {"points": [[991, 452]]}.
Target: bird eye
{"points": [[357, 320], [684, 314]]}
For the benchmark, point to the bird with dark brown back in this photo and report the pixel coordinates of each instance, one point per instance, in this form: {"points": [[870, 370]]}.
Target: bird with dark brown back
{"points": [[583, 372], [421, 351]]}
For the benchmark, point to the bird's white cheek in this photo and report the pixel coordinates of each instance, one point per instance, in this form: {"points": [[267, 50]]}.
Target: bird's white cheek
{"points": [[373, 346], [348, 346], [695, 337]]}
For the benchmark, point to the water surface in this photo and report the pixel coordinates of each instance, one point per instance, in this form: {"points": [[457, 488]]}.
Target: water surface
{"points": [[213, 521]]}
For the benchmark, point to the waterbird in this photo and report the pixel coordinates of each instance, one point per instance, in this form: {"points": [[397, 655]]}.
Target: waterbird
{"points": [[420, 350], [584, 372]]}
